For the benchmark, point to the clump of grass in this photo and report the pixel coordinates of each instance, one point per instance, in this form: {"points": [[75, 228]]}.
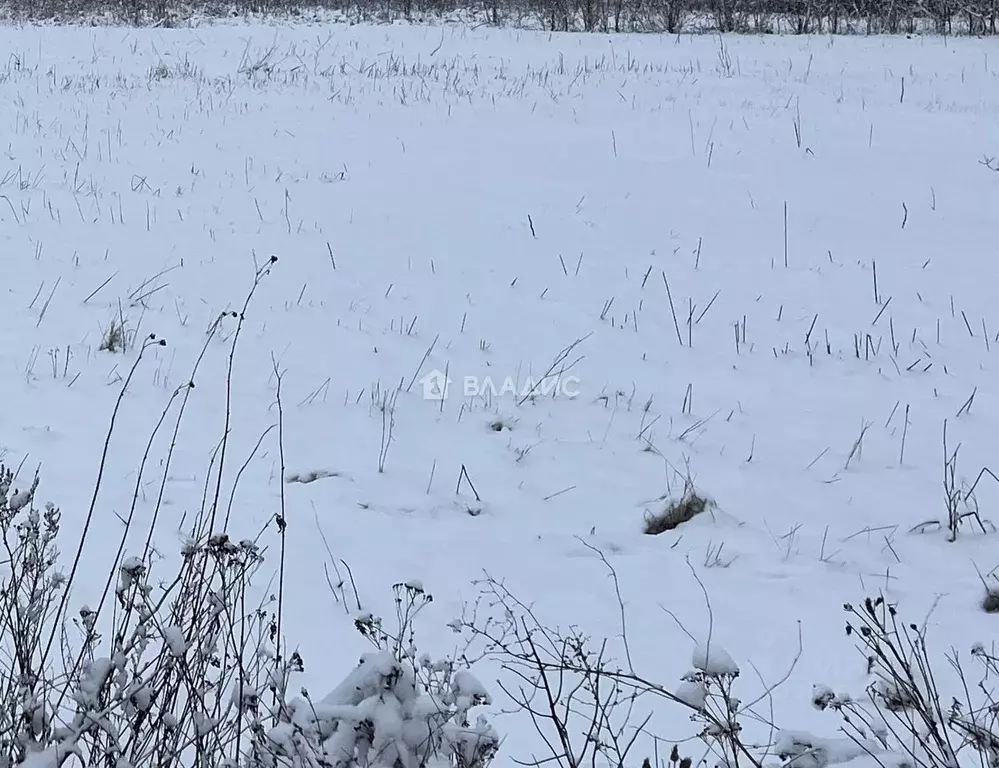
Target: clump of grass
{"points": [[501, 424], [118, 336], [990, 602], [677, 511], [113, 339], [159, 72]]}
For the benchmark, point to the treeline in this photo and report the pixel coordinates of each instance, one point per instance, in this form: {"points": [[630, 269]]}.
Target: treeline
{"points": [[856, 17]]}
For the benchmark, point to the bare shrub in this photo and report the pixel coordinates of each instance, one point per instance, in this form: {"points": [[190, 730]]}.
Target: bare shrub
{"points": [[904, 715], [589, 707]]}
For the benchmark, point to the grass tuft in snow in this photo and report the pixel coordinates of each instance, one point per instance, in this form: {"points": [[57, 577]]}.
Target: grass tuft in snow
{"points": [[990, 602], [118, 336], [676, 512]]}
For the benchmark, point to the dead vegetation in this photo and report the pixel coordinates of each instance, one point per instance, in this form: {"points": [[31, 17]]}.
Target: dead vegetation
{"points": [[990, 602], [677, 511]]}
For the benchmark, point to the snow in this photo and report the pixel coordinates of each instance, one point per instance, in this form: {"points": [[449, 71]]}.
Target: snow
{"points": [[174, 639], [20, 499], [467, 205], [693, 693], [713, 660], [468, 688], [51, 757], [811, 752]]}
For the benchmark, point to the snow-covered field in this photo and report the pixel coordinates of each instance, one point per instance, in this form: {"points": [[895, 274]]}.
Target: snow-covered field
{"points": [[774, 261]]}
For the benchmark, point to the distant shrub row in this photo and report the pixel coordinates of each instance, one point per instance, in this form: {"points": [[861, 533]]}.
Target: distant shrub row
{"points": [[858, 17]]}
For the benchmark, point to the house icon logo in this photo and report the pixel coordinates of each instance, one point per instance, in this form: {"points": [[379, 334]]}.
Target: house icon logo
{"points": [[435, 385]]}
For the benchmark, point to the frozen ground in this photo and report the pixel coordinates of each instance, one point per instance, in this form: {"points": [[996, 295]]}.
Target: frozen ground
{"points": [[493, 197]]}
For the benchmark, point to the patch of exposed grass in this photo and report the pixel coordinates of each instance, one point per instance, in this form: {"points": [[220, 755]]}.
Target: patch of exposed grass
{"points": [[676, 512], [990, 602]]}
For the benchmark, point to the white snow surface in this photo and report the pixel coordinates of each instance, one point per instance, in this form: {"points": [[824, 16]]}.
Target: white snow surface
{"points": [[713, 660], [492, 197]]}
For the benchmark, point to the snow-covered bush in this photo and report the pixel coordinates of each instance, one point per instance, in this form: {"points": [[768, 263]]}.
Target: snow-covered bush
{"points": [[398, 708], [182, 661], [591, 707], [186, 670]]}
